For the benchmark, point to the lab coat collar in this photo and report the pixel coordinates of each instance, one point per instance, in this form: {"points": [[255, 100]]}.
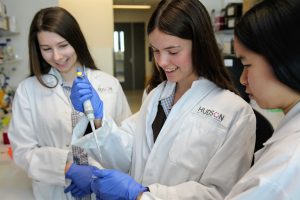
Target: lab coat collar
{"points": [[56, 76], [170, 87], [168, 90], [280, 132]]}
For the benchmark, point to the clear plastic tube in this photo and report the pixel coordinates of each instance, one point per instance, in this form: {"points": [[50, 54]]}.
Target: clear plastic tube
{"points": [[96, 139]]}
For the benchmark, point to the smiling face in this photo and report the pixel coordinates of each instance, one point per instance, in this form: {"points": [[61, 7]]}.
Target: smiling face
{"points": [[58, 52], [174, 56], [261, 83]]}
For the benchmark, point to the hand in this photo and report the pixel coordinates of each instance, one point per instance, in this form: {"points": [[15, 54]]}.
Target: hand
{"points": [[81, 176], [83, 90], [113, 185]]}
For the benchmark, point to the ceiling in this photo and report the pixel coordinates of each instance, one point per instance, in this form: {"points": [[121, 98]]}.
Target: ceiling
{"points": [[136, 2]]}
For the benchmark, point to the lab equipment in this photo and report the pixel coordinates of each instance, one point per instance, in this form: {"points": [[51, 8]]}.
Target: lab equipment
{"points": [[81, 176], [113, 184], [89, 112]]}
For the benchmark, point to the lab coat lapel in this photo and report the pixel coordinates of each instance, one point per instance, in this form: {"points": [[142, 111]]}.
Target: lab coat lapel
{"points": [[199, 90]]}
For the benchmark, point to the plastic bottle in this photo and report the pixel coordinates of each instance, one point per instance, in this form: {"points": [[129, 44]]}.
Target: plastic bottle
{"points": [[10, 53]]}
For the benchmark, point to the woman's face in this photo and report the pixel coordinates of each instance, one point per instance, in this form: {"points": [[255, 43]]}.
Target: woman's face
{"points": [[57, 52], [259, 79], [174, 56]]}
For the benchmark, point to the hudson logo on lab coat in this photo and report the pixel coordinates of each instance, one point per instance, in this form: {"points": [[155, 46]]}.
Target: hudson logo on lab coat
{"points": [[105, 89], [205, 112]]}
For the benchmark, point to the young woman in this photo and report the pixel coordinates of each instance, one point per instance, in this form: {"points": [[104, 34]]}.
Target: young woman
{"points": [[268, 44], [43, 116], [193, 137]]}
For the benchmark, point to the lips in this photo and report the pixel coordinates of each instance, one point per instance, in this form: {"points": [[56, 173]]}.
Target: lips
{"points": [[62, 64], [249, 94], [170, 69]]}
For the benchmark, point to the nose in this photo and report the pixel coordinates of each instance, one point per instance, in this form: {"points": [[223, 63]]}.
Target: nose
{"points": [[243, 77], [56, 54], [162, 60]]}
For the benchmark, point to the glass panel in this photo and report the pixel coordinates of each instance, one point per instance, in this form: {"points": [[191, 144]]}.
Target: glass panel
{"points": [[119, 48]]}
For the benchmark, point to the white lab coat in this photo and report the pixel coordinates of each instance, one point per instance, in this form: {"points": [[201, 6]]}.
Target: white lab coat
{"points": [[41, 129], [204, 147], [276, 172]]}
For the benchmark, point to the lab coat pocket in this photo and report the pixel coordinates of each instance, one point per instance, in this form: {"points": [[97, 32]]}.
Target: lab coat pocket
{"points": [[197, 141]]}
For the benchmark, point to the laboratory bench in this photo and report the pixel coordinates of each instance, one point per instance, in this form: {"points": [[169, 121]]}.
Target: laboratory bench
{"points": [[14, 182]]}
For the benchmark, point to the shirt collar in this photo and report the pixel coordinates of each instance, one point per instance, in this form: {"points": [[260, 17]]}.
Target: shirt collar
{"points": [[288, 121]]}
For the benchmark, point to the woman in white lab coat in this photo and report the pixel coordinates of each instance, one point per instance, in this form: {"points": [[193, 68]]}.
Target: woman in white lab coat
{"points": [[268, 44], [41, 127], [207, 140]]}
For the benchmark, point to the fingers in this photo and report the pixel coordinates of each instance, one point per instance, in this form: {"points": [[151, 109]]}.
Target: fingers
{"points": [[70, 188], [99, 173], [81, 82], [75, 191], [95, 186]]}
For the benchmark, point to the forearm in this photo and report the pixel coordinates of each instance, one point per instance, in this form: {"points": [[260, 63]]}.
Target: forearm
{"points": [[98, 123], [68, 165]]}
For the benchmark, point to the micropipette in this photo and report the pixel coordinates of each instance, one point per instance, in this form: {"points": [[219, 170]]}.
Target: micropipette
{"points": [[89, 112]]}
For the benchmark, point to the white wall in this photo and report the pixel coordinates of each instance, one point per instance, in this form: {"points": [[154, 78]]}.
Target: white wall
{"points": [[24, 12], [95, 18]]}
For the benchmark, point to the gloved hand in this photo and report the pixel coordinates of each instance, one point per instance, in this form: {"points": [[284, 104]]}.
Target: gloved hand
{"points": [[81, 176], [83, 90], [115, 185]]}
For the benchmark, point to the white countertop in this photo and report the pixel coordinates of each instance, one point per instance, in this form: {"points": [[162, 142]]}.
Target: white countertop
{"points": [[14, 183]]}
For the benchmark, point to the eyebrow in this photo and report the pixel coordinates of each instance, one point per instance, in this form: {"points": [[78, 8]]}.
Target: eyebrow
{"points": [[170, 47], [45, 45]]}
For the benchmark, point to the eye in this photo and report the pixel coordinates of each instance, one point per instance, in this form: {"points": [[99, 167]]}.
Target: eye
{"points": [[173, 53], [46, 49], [63, 45], [246, 65], [154, 51]]}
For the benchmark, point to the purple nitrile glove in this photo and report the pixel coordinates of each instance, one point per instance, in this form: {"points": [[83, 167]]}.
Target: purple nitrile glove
{"points": [[83, 90], [115, 185], [81, 177]]}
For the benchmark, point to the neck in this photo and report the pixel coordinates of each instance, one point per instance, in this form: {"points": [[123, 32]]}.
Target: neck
{"points": [[182, 87], [68, 77], [294, 101]]}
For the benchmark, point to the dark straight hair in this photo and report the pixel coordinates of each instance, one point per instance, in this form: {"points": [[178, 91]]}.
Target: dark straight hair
{"points": [[271, 29], [189, 19]]}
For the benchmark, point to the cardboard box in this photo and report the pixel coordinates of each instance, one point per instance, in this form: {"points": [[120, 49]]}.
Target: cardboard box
{"points": [[247, 4]]}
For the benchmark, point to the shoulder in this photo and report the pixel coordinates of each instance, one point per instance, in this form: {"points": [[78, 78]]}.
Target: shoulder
{"points": [[224, 105], [237, 107], [103, 77], [230, 98], [29, 82], [220, 98]]}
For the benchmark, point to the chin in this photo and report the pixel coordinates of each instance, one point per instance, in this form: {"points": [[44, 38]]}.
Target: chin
{"points": [[264, 105]]}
